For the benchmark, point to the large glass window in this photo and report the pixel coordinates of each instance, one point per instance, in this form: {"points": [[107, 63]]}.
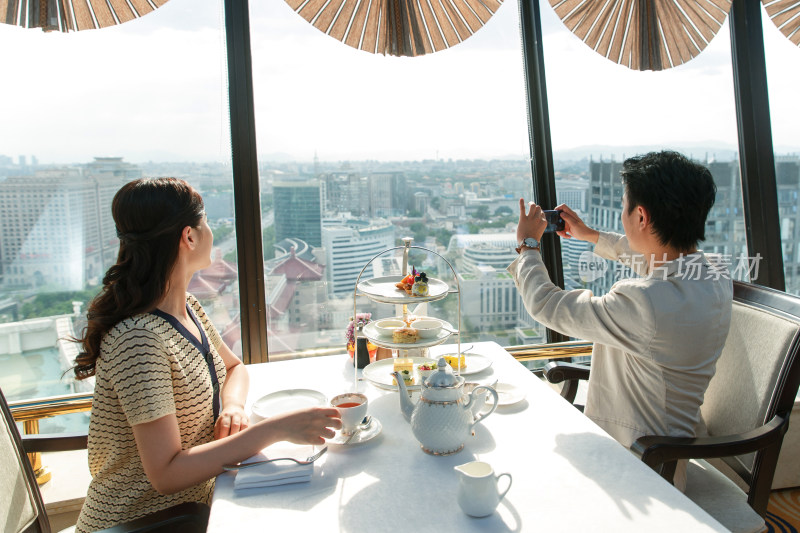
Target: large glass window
{"points": [[601, 113], [359, 150], [783, 76], [88, 112]]}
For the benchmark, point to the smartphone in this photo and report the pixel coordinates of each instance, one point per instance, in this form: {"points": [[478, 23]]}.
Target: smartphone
{"points": [[554, 221]]}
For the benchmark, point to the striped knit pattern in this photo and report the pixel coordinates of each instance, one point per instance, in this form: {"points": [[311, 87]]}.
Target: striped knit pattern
{"points": [[146, 370]]}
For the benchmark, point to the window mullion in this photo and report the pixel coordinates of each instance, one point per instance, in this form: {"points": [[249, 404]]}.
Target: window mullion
{"points": [[246, 196]]}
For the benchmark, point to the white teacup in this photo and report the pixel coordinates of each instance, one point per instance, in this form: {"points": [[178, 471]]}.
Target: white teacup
{"points": [[352, 408]]}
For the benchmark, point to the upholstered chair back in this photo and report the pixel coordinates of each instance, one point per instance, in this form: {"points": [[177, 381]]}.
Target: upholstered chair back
{"points": [[20, 503], [750, 373]]}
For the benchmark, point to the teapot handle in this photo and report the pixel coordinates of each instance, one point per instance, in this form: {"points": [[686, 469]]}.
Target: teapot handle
{"points": [[494, 404]]}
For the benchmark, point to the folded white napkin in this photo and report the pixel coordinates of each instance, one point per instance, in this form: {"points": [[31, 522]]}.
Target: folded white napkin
{"points": [[271, 474]]}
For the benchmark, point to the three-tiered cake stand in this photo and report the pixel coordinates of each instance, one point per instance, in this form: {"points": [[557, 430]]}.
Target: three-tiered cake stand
{"points": [[383, 290]]}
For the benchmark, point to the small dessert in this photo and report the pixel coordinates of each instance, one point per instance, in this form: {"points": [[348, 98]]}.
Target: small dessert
{"points": [[403, 363], [405, 335], [424, 370], [458, 363], [408, 379], [406, 283], [420, 286], [405, 366]]}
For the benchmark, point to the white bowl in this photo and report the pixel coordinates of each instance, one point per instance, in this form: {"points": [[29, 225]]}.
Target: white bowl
{"points": [[427, 328], [386, 326]]}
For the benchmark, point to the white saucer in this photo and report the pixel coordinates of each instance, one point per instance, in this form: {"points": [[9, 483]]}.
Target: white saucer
{"points": [[508, 394], [368, 434]]}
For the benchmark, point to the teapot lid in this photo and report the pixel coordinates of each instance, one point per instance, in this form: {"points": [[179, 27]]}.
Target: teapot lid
{"points": [[443, 377]]}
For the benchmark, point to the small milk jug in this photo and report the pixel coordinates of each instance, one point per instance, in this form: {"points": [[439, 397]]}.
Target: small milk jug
{"points": [[478, 494]]}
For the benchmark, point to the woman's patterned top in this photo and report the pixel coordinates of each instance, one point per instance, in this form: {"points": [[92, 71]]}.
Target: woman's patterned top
{"points": [[147, 369]]}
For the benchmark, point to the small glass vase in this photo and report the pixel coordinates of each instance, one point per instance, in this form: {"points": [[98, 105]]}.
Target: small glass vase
{"points": [[364, 355]]}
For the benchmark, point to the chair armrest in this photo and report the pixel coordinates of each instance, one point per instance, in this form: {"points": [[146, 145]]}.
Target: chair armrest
{"points": [[187, 517], [54, 442], [558, 372], [656, 450]]}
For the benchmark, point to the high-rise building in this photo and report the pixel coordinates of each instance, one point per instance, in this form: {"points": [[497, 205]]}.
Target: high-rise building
{"points": [[476, 250], [349, 245], [388, 194], [57, 228], [573, 194], [788, 177], [297, 208], [345, 192]]}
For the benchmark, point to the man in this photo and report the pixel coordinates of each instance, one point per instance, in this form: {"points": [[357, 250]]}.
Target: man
{"points": [[656, 337]]}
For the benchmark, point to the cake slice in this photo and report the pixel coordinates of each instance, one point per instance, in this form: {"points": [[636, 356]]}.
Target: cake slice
{"points": [[405, 366], [404, 335]]}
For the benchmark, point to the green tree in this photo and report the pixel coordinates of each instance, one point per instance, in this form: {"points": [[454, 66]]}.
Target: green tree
{"points": [[56, 303], [222, 232]]}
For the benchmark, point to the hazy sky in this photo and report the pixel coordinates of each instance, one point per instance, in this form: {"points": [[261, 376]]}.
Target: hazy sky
{"points": [[155, 89]]}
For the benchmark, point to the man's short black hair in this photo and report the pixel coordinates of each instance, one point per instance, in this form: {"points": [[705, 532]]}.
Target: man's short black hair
{"points": [[678, 194]]}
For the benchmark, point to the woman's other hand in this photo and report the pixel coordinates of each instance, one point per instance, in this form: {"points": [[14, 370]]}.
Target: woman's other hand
{"points": [[308, 426], [574, 227], [231, 420]]}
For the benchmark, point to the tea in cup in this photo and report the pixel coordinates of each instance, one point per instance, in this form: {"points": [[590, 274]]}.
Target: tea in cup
{"points": [[352, 408]]}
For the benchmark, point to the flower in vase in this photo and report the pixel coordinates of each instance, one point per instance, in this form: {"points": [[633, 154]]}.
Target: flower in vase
{"points": [[362, 319]]}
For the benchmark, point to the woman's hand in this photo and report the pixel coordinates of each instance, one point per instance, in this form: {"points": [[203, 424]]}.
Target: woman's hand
{"points": [[532, 223], [308, 426], [575, 227], [231, 420]]}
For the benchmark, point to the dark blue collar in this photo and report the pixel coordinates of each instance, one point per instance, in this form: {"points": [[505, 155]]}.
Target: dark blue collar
{"points": [[202, 343], [202, 346]]}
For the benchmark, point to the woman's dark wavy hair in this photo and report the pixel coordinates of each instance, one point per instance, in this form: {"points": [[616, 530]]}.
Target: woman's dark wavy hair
{"points": [[150, 215], [677, 192]]}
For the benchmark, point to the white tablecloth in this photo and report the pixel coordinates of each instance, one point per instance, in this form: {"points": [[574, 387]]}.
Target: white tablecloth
{"points": [[568, 474]]}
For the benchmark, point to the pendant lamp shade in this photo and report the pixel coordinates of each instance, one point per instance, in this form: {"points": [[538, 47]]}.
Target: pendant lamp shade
{"points": [[644, 34], [397, 27], [786, 16], [74, 15]]}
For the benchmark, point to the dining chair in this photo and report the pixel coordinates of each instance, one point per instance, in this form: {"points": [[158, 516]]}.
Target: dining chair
{"points": [[746, 410], [22, 509]]}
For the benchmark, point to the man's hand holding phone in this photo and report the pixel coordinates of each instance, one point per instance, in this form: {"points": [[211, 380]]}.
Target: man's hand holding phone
{"points": [[574, 227]]}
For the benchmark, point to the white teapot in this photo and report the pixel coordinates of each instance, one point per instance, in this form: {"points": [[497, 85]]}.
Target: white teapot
{"points": [[442, 419]]}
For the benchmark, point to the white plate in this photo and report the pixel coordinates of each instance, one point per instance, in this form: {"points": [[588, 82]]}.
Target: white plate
{"points": [[379, 373], [475, 362], [383, 290], [379, 339], [370, 433], [287, 400], [508, 394]]}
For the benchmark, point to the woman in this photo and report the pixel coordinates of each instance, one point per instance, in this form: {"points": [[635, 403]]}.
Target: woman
{"points": [[168, 406]]}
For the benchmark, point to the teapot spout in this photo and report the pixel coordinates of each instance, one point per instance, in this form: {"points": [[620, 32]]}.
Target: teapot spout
{"points": [[406, 405]]}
